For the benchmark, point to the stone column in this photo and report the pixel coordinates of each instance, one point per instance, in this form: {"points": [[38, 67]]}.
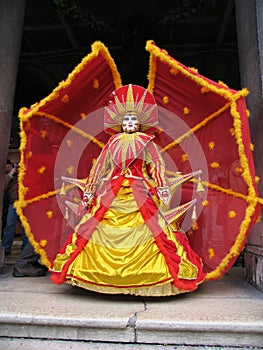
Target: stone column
{"points": [[11, 26], [249, 14]]}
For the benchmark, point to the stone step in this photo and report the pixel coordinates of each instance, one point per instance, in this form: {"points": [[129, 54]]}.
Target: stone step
{"points": [[44, 344], [225, 313]]}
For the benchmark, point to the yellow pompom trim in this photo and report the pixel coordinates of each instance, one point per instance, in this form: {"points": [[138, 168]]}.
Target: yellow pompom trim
{"points": [[222, 83]]}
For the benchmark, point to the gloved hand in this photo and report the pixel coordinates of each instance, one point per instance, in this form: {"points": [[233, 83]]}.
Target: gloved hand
{"points": [[87, 199], [164, 194]]}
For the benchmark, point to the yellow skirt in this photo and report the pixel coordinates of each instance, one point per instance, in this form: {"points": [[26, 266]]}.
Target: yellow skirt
{"points": [[122, 256]]}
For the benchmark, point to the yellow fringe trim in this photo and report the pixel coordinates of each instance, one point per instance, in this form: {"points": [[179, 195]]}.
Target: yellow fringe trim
{"points": [[162, 55], [25, 115], [232, 97]]}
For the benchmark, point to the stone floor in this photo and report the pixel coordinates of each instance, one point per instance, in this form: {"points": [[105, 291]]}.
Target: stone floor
{"points": [[37, 314]]}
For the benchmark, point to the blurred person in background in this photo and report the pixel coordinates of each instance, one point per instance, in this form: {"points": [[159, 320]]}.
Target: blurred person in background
{"points": [[11, 219]]}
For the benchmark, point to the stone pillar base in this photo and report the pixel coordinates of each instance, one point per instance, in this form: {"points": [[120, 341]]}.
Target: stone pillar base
{"points": [[254, 265]]}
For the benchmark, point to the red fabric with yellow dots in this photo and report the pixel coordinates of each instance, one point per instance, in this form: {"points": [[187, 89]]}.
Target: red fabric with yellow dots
{"points": [[70, 119], [217, 116]]}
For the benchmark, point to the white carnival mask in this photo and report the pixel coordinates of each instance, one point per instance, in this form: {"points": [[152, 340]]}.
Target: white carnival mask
{"points": [[130, 123]]}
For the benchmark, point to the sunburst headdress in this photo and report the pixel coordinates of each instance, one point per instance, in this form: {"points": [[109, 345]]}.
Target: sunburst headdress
{"points": [[131, 98]]}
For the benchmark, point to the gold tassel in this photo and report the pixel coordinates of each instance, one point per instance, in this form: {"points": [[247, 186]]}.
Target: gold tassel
{"points": [[195, 226], [63, 190], [199, 188], [194, 219]]}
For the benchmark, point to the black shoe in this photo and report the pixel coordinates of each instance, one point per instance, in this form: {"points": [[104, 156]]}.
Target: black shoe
{"points": [[7, 252], [29, 271], [36, 264]]}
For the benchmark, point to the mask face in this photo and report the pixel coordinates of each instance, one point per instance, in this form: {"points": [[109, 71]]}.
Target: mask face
{"points": [[130, 123]]}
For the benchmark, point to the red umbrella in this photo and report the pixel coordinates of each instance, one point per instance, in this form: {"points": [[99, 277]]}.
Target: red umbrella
{"points": [[203, 126], [217, 116], [47, 127]]}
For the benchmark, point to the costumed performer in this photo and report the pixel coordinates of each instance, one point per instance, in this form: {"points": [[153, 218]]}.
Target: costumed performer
{"points": [[123, 242]]}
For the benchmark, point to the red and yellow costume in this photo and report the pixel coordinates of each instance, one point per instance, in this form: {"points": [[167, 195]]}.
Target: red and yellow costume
{"points": [[123, 242], [126, 242]]}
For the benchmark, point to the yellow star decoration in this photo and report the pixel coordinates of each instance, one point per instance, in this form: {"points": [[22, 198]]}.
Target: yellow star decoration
{"points": [[257, 179], [211, 253], [232, 214], [29, 154], [186, 110], [232, 131], [204, 90], [173, 71], [69, 143], [49, 214], [247, 113], [96, 84], [70, 169], [258, 219], [43, 134], [252, 147], [205, 203], [42, 169], [214, 165], [28, 125], [83, 115], [65, 99], [184, 157], [43, 243], [239, 169], [166, 100], [211, 145], [76, 200]]}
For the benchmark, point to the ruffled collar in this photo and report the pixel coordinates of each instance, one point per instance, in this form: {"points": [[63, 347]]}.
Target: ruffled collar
{"points": [[125, 148]]}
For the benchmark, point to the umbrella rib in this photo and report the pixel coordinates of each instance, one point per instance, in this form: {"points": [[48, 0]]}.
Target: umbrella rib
{"points": [[46, 195], [196, 127], [233, 193], [72, 127]]}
